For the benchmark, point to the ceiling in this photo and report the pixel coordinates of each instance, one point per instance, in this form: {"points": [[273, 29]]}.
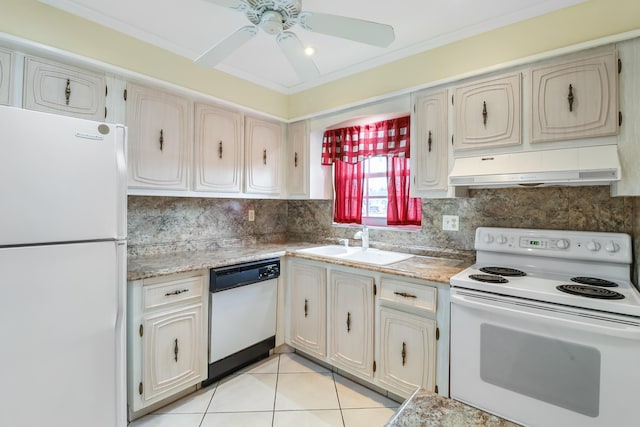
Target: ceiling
{"points": [[190, 27]]}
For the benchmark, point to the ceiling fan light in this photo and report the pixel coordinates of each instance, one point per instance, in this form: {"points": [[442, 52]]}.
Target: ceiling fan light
{"points": [[309, 50], [271, 22]]}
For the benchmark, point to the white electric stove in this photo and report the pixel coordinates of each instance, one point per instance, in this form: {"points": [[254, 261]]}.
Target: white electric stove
{"points": [[545, 328]]}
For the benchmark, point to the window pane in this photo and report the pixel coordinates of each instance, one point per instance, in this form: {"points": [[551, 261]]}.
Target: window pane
{"points": [[377, 187], [377, 165], [377, 208]]}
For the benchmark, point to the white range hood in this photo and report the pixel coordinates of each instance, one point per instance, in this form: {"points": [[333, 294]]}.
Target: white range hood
{"points": [[597, 165]]}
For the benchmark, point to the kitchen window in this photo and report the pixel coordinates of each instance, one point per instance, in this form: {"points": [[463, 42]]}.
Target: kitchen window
{"points": [[371, 174]]}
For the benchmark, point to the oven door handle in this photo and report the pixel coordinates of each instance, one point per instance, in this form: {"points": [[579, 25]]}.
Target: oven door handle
{"points": [[521, 309]]}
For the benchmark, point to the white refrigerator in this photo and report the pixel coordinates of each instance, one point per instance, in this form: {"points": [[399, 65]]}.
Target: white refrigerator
{"points": [[62, 271]]}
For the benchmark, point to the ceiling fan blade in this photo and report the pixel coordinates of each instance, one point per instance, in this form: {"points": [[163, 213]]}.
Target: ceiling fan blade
{"points": [[368, 32], [293, 49], [233, 4], [217, 53]]}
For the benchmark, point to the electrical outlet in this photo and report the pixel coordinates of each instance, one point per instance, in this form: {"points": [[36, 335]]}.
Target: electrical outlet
{"points": [[450, 222], [252, 215]]}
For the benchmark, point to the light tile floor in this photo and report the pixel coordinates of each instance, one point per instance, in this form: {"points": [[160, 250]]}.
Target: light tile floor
{"points": [[284, 390]]}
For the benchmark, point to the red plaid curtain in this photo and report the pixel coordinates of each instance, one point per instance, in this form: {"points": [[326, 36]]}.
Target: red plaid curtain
{"points": [[353, 144], [349, 183], [401, 209]]}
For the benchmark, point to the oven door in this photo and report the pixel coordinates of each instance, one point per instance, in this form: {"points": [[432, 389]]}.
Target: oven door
{"points": [[542, 364]]}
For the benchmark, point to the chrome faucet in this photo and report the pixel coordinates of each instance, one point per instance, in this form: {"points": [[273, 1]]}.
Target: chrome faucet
{"points": [[364, 235]]}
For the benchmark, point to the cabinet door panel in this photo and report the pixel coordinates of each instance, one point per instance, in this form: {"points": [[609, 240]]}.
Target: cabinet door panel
{"points": [[407, 351], [159, 139], [308, 308], [218, 150], [297, 159], [6, 68], [488, 113], [575, 99], [351, 323], [264, 140], [171, 346], [429, 146], [62, 89]]}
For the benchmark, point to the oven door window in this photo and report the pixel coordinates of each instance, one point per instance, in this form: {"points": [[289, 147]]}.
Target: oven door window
{"points": [[554, 371]]}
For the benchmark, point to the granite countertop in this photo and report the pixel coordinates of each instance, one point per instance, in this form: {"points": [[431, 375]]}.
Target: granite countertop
{"points": [[427, 409], [419, 267]]}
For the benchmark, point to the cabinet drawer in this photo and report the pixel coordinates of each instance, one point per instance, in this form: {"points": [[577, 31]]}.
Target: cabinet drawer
{"points": [[409, 294], [171, 292]]}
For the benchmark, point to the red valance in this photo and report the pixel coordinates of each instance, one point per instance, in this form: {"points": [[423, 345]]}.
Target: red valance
{"points": [[353, 144]]}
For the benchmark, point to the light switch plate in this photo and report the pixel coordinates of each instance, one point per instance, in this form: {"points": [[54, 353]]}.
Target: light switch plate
{"points": [[450, 222]]}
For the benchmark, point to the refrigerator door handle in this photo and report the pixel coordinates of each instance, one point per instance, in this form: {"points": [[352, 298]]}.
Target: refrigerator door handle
{"points": [[121, 193]]}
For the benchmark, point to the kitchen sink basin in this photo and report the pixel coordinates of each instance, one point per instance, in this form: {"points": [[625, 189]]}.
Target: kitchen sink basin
{"points": [[376, 257], [356, 254], [330, 250]]}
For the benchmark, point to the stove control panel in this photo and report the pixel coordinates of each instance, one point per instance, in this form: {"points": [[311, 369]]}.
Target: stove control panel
{"points": [[586, 245]]}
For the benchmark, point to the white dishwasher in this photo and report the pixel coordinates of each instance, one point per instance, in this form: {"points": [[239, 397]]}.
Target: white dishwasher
{"points": [[242, 315]]}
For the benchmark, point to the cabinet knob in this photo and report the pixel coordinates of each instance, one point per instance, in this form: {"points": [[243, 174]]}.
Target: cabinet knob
{"points": [[161, 140], [220, 150], [305, 308], [264, 157], [295, 159], [404, 353], [348, 322], [175, 350], [429, 141]]}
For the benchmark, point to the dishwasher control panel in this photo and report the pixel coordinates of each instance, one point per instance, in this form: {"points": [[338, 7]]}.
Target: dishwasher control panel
{"points": [[233, 276]]}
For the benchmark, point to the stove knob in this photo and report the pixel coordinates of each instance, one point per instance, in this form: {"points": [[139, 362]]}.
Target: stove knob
{"points": [[612, 247], [593, 246], [501, 239], [563, 244], [488, 238]]}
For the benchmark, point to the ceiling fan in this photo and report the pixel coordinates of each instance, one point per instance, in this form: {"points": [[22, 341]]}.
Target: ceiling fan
{"points": [[276, 16]]}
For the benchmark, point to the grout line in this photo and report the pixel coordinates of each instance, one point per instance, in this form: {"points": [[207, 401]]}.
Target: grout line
{"points": [[275, 395], [335, 386]]}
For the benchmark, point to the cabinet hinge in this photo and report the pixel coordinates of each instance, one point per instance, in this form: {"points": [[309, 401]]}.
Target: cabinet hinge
{"points": [[437, 334], [436, 388], [105, 112], [125, 94], [451, 99], [619, 118], [451, 139], [619, 65], [140, 388], [375, 290], [141, 330], [374, 366]]}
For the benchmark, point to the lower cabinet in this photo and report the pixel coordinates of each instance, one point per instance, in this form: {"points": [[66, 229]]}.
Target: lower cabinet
{"points": [[351, 323], [384, 329], [308, 308], [167, 337], [407, 351]]}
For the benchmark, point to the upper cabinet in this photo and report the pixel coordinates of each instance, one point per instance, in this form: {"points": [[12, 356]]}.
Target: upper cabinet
{"points": [[575, 99], [263, 152], [6, 67], [219, 150], [62, 89], [159, 139], [487, 113], [429, 143], [297, 159]]}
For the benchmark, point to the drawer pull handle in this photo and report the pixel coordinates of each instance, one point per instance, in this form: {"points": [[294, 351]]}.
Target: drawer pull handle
{"points": [[570, 98], [404, 353], [429, 141], [305, 308], [161, 139], [484, 113], [67, 92], [220, 150], [406, 295], [348, 322], [177, 292], [175, 350]]}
